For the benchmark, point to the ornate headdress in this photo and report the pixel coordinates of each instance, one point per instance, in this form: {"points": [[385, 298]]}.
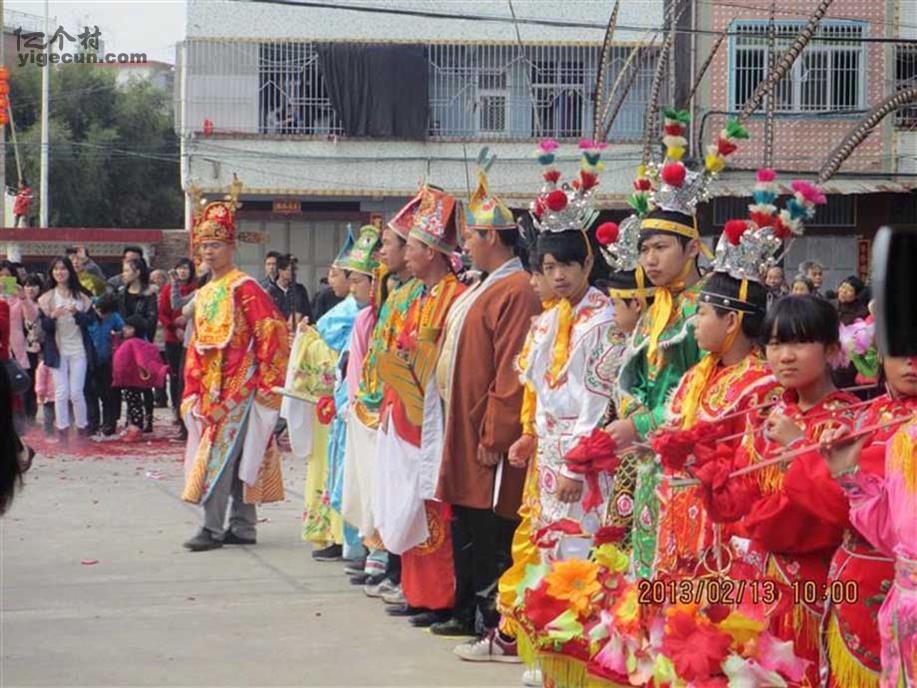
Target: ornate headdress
{"points": [[561, 207], [618, 245], [671, 186], [349, 241], [486, 211], [434, 220], [361, 258], [216, 220], [748, 247]]}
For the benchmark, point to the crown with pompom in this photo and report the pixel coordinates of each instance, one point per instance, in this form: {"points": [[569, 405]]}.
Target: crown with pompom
{"points": [[748, 247], [671, 186], [679, 189], [216, 221], [561, 206]]}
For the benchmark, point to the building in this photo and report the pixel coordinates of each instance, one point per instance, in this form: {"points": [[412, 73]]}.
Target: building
{"points": [[848, 67], [334, 115]]}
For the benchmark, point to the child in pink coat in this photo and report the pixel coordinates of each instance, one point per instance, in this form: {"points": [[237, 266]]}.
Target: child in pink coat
{"points": [[136, 366]]}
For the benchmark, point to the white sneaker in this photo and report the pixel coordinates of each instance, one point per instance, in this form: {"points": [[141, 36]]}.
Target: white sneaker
{"points": [[533, 678], [386, 587], [394, 597], [488, 648]]}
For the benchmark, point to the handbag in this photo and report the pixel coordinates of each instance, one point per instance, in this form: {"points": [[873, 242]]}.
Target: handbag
{"points": [[19, 379]]}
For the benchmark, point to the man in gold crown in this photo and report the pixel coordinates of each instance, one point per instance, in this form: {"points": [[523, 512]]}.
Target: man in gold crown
{"points": [[237, 355]]}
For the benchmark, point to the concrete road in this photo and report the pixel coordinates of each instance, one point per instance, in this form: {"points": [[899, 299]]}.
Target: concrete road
{"points": [[97, 591]]}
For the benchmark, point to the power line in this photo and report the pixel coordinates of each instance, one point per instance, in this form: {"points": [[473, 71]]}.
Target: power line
{"points": [[557, 23]]}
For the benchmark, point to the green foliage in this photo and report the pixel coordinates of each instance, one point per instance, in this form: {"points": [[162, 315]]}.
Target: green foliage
{"points": [[113, 152]]}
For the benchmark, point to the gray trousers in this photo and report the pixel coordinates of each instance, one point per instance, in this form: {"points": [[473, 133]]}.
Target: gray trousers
{"points": [[242, 516]]}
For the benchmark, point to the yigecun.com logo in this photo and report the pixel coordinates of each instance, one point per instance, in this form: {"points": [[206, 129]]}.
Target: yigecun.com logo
{"points": [[31, 47]]}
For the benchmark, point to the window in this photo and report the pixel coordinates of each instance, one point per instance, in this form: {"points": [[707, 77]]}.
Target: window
{"points": [[292, 95], [905, 77], [559, 94], [493, 98], [829, 76]]}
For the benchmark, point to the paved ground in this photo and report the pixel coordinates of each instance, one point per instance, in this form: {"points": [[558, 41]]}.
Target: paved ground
{"points": [[97, 591]]}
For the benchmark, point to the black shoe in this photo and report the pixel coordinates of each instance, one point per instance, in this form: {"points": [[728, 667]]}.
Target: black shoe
{"points": [[108, 431], [329, 553], [368, 580], [429, 618], [148, 425], [203, 542], [452, 628], [232, 539], [403, 610]]}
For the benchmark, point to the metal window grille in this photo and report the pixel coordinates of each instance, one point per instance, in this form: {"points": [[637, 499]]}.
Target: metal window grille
{"points": [[489, 91], [839, 211], [906, 76], [829, 76]]}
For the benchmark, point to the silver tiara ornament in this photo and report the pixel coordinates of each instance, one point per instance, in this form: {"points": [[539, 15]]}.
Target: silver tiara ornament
{"points": [[619, 243], [748, 247], [561, 206]]}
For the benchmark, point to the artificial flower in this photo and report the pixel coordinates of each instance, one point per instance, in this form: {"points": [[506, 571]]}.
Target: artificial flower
{"points": [[611, 558], [776, 655], [741, 628], [808, 193], [747, 673], [541, 608], [576, 581], [696, 649], [564, 628]]}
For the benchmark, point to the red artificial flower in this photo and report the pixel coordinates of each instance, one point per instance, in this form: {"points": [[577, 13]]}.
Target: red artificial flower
{"points": [[762, 219], [548, 536], [642, 184], [325, 410], [781, 231], [556, 200], [674, 448], [540, 608], [673, 174], [589, 180], [607, 233], [734, 230], [696, 651], [717, 612], [538, 209], [726, 147], [592, 455], [551, 176], [674, 129], [726, 499]]}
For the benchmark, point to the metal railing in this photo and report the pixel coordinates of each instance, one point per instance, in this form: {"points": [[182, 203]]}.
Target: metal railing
{"points": [[829, 76], [905, 77], [505, 92]]}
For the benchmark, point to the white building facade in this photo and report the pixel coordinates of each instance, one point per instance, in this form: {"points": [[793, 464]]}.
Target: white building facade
{"points": [[334, 116]]}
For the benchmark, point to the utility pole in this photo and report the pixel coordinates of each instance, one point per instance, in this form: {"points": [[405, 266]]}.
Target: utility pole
{"points": [[682, 58], [3, 128], [45, 90]]}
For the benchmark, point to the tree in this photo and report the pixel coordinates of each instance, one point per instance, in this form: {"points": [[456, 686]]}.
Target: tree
{"points": [[113, 158]]}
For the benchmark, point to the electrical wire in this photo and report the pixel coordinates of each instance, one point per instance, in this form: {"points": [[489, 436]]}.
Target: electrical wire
{"points": [[556, 23]]}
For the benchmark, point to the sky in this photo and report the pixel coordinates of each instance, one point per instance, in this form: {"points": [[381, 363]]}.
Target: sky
{"points": [[133, 26]]}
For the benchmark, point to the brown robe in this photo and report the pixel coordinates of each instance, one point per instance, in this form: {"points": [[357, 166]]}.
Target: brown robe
{"points": [[486, 397]]}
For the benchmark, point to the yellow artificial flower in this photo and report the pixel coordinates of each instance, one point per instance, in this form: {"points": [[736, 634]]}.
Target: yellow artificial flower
{"points": [[611, 558], [576, 581], [742, 628]]}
